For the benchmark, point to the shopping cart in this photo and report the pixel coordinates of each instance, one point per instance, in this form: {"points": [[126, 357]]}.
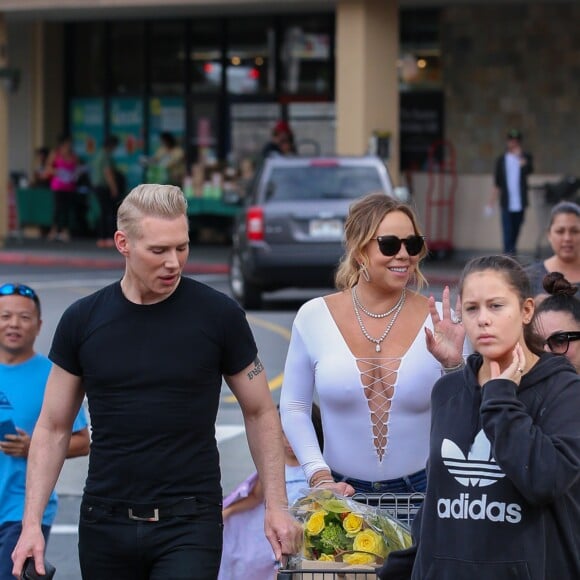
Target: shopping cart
{"points": [[403, 506]]}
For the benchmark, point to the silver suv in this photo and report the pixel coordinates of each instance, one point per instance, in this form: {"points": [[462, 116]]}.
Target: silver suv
{"points": [[290, 230]]}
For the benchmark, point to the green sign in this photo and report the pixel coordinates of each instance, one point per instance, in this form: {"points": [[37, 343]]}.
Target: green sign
{"points": [[126, 122], [87, 122], [166, 114]]}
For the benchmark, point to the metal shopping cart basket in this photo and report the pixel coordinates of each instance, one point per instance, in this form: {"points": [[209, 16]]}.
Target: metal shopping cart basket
{"points": [[403, 506]]}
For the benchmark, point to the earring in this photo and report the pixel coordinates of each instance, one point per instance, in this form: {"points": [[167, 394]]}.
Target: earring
{"points": [[362, 270]]}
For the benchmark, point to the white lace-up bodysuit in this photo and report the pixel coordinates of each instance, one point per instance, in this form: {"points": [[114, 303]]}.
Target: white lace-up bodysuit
{"points": [[387, 442]]}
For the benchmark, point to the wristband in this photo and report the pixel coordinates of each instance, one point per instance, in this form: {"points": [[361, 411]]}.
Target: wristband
{"points": [[447, 370], [320, 475], [322, 482]]}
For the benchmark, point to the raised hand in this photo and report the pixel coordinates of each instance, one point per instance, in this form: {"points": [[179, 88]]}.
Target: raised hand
{"points": [[446, 340]]}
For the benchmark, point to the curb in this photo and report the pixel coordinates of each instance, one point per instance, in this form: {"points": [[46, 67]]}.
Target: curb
{"points": [[434, 277], [15, 258]]}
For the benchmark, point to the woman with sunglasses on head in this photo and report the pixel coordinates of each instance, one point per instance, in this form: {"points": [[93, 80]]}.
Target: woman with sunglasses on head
{"points": [[363, 352], [557, 318], [503, 492]]}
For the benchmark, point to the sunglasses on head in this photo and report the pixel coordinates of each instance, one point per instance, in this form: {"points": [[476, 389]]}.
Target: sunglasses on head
{"points": [[559, 342], [390, 245], [19, 290]]}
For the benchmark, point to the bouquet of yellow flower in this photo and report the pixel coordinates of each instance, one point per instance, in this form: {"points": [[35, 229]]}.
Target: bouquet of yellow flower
{"points": [[340, 529]]}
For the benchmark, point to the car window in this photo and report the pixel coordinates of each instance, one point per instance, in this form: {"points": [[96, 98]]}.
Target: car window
{"points": [[251, 189], [326, 182]]}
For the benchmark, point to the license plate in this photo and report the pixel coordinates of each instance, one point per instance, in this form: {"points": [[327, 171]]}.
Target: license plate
{"points": [[326, 229]]}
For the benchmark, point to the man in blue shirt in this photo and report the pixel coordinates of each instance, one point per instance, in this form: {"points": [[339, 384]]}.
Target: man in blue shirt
{"points": [[23, 375]]}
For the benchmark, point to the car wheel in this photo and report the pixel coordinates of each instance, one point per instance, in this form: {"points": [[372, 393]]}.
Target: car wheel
{"points": [[248, 295]]}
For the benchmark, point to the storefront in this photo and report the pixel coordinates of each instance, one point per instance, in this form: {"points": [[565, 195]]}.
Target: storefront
{"points": [[219, 74], [217, 84]]}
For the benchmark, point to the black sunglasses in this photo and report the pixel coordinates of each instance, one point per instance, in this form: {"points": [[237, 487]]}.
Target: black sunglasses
{"points": [[20, 290], [559, 342], [390, 245]]}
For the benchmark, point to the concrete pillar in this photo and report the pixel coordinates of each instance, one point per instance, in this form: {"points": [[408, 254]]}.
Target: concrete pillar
{"points": [[4, 173], [37, 78], [367, 88]]}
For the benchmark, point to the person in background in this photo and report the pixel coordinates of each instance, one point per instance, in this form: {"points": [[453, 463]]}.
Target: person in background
{"points": [[61, 168], [106, 187], [372, 352], [150, 352], [286, 144], [170, 157], [23, 374], [564, 238], [557, 318], [503, 492], [39, 177], [247, 553], [282, 141], [512, 169]]}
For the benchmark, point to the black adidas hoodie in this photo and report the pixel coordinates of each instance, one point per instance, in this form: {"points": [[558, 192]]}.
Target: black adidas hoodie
{"points": [[503, 492]]}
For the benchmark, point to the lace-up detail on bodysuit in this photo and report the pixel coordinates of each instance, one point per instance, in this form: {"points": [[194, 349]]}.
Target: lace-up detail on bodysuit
{"points": [[378, 377], [376, 409]]}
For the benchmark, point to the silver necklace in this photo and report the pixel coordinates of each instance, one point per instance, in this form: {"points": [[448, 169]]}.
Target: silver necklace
{"points": [[372, 314], [377, 341]]}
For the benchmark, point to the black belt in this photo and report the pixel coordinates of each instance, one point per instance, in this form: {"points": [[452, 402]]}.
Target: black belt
{"points": [[186, 507]]}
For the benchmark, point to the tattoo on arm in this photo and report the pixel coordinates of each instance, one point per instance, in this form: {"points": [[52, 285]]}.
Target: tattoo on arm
{"points": [[258, 368]]}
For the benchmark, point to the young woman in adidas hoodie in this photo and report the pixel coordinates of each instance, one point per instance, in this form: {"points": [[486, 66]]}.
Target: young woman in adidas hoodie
{"points": [[503, 487]]}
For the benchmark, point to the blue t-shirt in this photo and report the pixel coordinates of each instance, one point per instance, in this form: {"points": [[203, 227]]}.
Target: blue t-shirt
{"points": [[21, 394]]}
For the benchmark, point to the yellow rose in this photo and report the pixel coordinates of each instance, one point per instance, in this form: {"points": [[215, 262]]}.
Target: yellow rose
{"points": [[315, 523], [369, 541], [326, 558], [352, 523], [358, 559]]}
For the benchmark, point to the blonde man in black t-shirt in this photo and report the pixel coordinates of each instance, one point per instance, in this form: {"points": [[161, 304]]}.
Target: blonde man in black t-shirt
{"points": [[150, 352]]}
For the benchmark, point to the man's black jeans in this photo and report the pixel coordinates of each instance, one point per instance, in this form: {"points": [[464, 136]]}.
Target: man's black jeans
{"points": [[180, 547]]}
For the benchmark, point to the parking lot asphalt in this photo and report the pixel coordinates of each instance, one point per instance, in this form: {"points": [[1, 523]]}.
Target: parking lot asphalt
{"points": [[204, 258], [84, 254]]}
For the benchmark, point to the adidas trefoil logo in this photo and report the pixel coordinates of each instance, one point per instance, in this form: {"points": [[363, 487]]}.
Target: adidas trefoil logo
{"points": [[478, 469]]}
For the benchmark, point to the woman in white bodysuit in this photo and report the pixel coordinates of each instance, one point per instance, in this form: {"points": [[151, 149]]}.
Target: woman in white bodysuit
{"points": [[371, 352]]}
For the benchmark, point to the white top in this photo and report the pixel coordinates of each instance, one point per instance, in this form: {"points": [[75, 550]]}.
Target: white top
{"points": [[513, 171], [387, 444]]}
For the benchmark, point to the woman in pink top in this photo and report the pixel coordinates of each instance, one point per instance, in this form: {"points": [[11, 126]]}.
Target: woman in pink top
{"points": [[61, 168]]}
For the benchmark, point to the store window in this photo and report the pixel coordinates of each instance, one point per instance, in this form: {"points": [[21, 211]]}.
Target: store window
{"points": [[127, 57], [422, 118], [206, 56], [87, 47], [306, 56], [314, 126], [420, 51], [250, 63], [252, 125], [205, 123], [167, 42]]}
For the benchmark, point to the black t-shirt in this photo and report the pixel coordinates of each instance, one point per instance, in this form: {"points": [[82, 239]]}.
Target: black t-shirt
{"points": [[152, 375]]}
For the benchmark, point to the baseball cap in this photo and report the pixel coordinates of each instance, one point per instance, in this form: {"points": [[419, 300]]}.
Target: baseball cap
{"points": [[514, 134], [282, 127]]}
